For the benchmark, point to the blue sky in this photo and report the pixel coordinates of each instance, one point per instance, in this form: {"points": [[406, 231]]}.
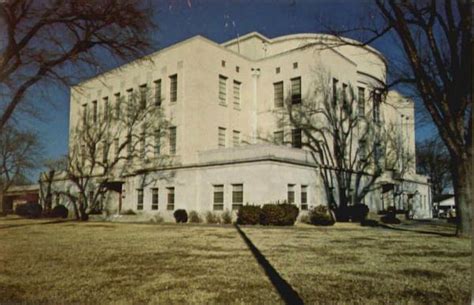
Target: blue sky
{"points": [[220, 21]]}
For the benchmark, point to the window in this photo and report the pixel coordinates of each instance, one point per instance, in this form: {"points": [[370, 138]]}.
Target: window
{"points": [[116, 147], [154, 198], [277, 70], [94, 111], [158, 93], [91, 198], [129, 102], [84, 114], [236, 138], [295, 65], [117, 105], [157, 142], [173, 140], [143, 144], [344, 93], [376, 110], [334, 90], [236, 93], [222, 88], [377, 154], [296, 138], [223, 63], [296, 90], [129, 146], [291, 193], [139, 199], [237, 69], [174, 88], [304, 197], [105, 151], [361, 102], [237, 196], [362, 150], [221, 137], [106, 108], [143, 92], [278, 137], [278, 94], [170, 205], [218, 197]]}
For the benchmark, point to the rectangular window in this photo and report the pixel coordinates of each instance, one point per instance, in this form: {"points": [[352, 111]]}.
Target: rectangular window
{"points": [[237, 196], [143, 93], [223, 63], [117, 105], [157, 142], [295, 65], [218, 197], [154, 198], [377, 154], [105, 151], [222, 89], [278, 137], [296, 90], [221, 137], [116, 147], [361, 102], [106, 108], [344, 93], [291, 193], [236, 138], [94, 111], [143, 144], [237, 69], [158, 93], [139, 199], [173, 139], [130, 102], [236, 93], [84, 114], [277, 70], [129, 146], [334, 90], [362, 150], [278, 94], [376, 111], [174, 88], [170, 205], [304, 197], [296, 138]]}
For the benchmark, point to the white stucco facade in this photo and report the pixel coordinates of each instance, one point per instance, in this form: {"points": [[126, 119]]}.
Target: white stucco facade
{"points": [[224, 135]]}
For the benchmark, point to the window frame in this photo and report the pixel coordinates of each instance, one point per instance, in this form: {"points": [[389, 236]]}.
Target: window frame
{"points": [[296, 96], [218, 197], [278, 98], [237, 196], [173, 87]]}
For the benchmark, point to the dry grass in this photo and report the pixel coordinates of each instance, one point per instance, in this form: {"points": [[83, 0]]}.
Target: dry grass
{"points": [[349, 264], [110, 263]]}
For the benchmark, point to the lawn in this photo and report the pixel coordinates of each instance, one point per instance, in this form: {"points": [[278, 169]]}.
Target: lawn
{"points": [[111, 263]]}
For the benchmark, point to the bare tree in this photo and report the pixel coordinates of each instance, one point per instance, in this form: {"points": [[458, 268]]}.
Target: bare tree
{"points": [[59, 41], [432, 159], [435, 38], [19, 154], [351, 147], [106, 145]]}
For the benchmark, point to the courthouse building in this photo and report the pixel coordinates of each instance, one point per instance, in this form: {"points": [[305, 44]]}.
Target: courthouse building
{"points": [[224, 143]]}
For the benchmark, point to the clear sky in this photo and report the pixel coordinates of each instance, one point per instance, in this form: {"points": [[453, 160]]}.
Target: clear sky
{"points": [[220, 21]]}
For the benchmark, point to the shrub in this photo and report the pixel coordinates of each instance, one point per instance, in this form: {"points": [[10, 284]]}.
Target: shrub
{"points": [[59, 211], [305, 218], [30, 210], [249, 215], [128, 212], [356, 213], [226, 217], [181, 216], [321, 216], [212, 218], [279, 214], [194, 217]]}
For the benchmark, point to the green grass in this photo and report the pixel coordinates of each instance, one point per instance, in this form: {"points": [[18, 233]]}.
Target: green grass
{"points": [[110, 263]]}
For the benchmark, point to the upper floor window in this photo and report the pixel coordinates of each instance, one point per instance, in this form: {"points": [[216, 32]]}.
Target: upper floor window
{"points": [[223, 63], [116, 147], [173, 138], [236, 138], [84, 114], [106, 108], [174, 88], [237, 196], [105, 151], [129, 101], [362, 150], [158, 93], [218, 197], [117, 105], [222, 89], [296, 138], [361, 102], [334, 90], [237, 69], [277, 70], [295, 65], [143, 143], [143, 95], [221, 137], [344, 92], [291, 193], [94, 111], [278, 94], [296, 90], [157, 142], [139, 199], [236, 93], [376, 106]]}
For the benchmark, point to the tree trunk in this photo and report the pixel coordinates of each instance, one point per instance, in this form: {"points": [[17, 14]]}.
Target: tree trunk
{"points": [[462, 182]]}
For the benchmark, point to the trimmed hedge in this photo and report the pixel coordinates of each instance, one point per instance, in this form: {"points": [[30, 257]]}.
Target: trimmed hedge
{"points": [[181, 216], [194, 217], [321, 216], [29, 210], [249, 215], [59, 211], [279, 214]]}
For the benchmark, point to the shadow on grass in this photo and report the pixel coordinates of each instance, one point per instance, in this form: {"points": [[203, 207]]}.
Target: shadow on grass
{"points": [[381, 225], [32, 224], [287, 293]]}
